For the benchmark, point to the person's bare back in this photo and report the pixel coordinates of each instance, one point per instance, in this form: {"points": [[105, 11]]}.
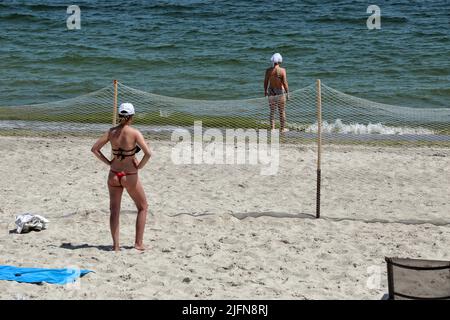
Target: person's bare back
{"points": [[276, 87], [276, 77], [125, 142]]}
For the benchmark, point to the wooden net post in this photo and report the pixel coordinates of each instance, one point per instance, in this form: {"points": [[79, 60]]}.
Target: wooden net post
{"points": [[114, 118], [319, 145], [114, 115]]}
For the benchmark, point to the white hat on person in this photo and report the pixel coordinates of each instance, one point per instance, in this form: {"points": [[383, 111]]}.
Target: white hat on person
{"points": [[276, 58], [126, 109]]}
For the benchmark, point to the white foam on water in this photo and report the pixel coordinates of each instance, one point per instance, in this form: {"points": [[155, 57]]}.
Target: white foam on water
{"points": [[372, 128]]}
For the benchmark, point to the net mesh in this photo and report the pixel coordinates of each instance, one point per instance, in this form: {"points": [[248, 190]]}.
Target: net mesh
{"points": [[344, 114], [345, 118], [348, 122], [249, 113], [89, 113]]}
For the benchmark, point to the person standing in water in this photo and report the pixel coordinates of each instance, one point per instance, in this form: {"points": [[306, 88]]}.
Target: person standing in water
{"points": [[125, 142], [276, 87]]}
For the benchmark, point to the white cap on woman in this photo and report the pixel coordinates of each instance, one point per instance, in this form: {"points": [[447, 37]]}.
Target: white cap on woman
{"points": [[276, 58], [126, 109]]}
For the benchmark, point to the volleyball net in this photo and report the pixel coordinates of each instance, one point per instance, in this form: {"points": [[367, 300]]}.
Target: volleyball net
{"points": [[319, 117], [345, 118]]}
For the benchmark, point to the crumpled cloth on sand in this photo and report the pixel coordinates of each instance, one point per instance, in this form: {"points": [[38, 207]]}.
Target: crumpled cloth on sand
{"points": [[27, 222]]}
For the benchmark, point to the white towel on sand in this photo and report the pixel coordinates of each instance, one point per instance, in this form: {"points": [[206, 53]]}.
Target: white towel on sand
{"points": [[27, 222]]}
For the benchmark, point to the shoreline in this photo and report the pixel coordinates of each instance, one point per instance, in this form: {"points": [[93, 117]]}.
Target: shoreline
{"points": [[292, 137]]}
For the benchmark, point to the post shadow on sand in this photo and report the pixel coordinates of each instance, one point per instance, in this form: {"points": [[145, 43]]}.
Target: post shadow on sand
{"points": [[70, 246], [244, 215]]}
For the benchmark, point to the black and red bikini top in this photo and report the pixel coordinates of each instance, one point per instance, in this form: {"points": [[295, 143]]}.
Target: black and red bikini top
{"points": [[121, 153]]}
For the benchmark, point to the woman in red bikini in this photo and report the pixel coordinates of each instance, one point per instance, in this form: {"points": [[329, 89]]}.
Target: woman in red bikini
{"points": [[125, 142]]}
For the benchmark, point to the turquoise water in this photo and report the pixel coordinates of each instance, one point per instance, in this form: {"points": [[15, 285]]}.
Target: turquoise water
{"points": [[220, 49]]}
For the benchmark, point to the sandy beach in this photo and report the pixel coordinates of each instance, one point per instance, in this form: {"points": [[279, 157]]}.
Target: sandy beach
{"points": [[225, 231]]}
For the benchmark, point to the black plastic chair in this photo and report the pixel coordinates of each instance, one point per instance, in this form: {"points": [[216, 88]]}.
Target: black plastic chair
{"points": [[418, 279]]}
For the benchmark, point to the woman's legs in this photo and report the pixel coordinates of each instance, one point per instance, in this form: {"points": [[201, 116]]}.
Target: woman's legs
{"points": [[136, 191], [273, 107], [115, 198], [282, 112]]}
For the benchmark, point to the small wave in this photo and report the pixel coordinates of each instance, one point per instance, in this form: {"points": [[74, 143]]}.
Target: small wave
{"points": [[260, 47], [356, 20], [162, 46], [433, 71], [440, 91], [19, 16], [337, 19], [372, 128], [47, 7], [78, 60], [173, 6], [63, 6], [400, 20], [214, 60]]}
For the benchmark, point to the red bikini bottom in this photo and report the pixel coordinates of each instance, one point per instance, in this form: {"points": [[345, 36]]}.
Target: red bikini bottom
{"points": [[121, 174]]}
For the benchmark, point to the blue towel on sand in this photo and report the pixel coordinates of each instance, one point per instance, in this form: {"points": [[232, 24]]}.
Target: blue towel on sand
{"points": [[38, 275]]}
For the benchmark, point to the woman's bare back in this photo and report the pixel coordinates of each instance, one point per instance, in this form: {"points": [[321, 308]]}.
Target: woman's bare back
{"points": [[276, 77], [123, 174], [123, 143]]}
